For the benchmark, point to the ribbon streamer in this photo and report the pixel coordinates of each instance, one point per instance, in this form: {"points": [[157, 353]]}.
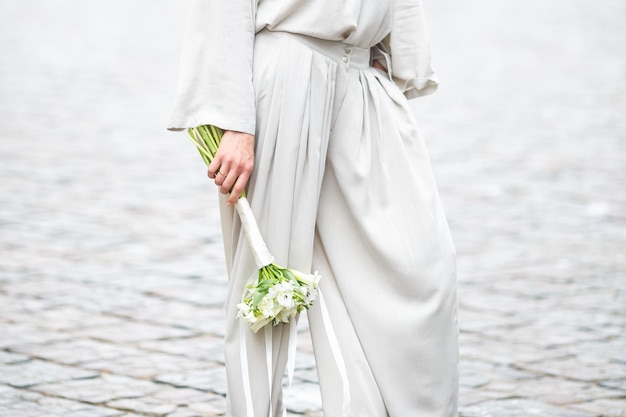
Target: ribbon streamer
{"points": [[243, 356], [334, 346], [291, 360]]}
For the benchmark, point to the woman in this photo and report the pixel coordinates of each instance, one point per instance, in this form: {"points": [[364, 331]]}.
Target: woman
{"points": [[312, 95]]}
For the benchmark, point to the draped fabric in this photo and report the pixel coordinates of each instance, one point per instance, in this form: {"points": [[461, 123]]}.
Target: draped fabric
{"points": [[215, 84], [342, 184]]}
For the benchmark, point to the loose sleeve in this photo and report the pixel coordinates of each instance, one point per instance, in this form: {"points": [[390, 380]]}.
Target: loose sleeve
{"points": [[406, 50], [215, 77]]}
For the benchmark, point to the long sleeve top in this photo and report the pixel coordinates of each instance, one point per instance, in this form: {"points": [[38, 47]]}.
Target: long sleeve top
{"points": [[216, 86]]}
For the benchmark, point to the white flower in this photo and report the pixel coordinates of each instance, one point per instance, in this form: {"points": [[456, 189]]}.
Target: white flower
{"points": [[284, 287], [269, 307], [286, 314], [311, 294], [310, 280], [244, 310], [286, 300]]}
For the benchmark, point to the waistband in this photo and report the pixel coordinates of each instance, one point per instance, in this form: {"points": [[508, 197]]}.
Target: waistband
{"points": [[343, 53]]}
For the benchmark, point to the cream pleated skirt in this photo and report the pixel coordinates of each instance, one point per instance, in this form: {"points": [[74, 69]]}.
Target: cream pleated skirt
{"points": [[343, 185]]}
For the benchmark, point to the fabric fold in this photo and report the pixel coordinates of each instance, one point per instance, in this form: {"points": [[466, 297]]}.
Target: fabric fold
{"points": [[215, 76]]}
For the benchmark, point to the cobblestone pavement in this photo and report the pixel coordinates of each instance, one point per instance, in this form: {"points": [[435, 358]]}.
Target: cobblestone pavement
{"points": [[111, 270]]}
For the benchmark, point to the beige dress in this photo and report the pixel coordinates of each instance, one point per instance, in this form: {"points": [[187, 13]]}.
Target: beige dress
{"points": [[342, 184]]}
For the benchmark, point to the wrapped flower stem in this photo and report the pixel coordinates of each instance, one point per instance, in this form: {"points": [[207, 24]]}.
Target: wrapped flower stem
{"points": [[279, 293]]}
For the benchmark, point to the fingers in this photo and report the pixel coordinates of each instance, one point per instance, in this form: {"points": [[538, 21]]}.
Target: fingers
{"points": [[237, 188], [232, 166], [219, 176], [226, 180], [213, 168]]}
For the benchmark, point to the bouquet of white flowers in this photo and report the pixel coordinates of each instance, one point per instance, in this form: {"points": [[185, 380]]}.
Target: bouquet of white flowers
{"points": [[279, 293]]}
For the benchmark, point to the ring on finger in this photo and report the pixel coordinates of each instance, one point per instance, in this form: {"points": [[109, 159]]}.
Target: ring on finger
{"points": [[220, 172]]}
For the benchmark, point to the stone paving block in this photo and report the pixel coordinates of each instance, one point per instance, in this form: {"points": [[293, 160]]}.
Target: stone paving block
{"points": [[15, 334], [210, 268], [33, 287], [199, 292], [476, 373], [605, 407], [14, 402], [476, 321], [469, 396], [204, 348], [310, 413], [100, 299], [579, 368], [473, 380], [62, 408], [556, 391], [132, 332], [106, 388], [612, 350], [10, 395], [76, 351], [179, 314], [27, 374], [184, 396], [217, 407], [304, 397], [476, 299], [505, 352], [544, 335], [599, 300], [9, 358], [10, 306], [306, 375], [145, 405], [619, 384], [519, 408], [146, 365], [211, 379], [184, 412], [190, 287], [67, 318], [591, 319], [534, 285]]}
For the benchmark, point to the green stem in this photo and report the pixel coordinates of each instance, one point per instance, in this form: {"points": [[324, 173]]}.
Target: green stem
{"points": [[207, 139]]}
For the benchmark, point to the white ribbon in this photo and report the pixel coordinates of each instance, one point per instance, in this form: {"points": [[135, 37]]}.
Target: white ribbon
{"points": [[243, 356], [334, 347], [268, 363], [291, 361], [262, 255]]}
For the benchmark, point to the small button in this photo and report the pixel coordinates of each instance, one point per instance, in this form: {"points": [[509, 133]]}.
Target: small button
{"points": [[348, 50], [345, 59]]}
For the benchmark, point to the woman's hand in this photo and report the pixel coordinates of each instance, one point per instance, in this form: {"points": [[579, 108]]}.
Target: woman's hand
{"points": [[233, 163]]}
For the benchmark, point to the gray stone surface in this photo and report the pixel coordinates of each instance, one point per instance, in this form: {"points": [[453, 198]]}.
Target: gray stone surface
{"points": [[210, 379], [112, 277], [99, 390], [519, 408], [28, 374]]}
